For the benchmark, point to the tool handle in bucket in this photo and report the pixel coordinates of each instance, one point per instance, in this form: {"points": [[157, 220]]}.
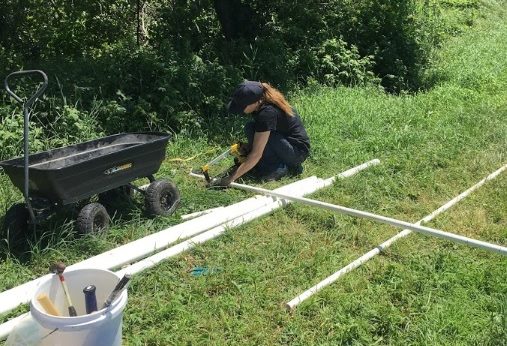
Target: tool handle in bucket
{"points": [[35, 96]]}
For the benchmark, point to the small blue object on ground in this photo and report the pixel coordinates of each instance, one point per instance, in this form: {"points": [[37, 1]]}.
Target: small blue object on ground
{"points": [[200, 271]]}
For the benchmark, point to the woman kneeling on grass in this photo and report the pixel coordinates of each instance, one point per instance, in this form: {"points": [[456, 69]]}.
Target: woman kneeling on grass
{"points": [[276, 136]]}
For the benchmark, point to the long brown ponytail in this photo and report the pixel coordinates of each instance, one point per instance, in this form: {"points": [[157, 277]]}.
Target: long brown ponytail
{"points": [[273, 96]]}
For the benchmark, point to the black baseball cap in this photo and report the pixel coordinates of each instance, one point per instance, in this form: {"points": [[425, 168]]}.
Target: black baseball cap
{"points": [[245, 94]]}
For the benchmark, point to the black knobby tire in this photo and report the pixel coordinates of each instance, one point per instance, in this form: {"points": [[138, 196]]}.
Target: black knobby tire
{"points": [[93, 218], [15, 227], [162, 198]]}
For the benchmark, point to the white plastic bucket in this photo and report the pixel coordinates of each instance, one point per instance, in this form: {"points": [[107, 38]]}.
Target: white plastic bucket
{"points": [[101, 327]]}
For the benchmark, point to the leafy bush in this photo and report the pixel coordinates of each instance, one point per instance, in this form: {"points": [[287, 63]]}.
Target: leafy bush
{"points": [[55, 126], [336, 64], [41, 30], [175, 68]]}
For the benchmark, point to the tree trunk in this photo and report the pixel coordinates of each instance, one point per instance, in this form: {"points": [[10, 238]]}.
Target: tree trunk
{"points": [[237, 20]]}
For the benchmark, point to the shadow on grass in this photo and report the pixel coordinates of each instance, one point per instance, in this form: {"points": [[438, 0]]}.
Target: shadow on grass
{"points": [[60, 228]]}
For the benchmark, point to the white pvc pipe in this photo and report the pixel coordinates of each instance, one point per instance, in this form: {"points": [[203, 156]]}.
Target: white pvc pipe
{"points": [[383, 219], [199, 213], [119, 256], [354, 170], [372, 253]]}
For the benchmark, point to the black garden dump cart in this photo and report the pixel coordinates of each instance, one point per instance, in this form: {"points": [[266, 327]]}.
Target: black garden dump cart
{"points": [[105, 167]]}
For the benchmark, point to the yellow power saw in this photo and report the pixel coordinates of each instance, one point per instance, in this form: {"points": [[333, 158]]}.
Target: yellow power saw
{"points": [[238, 150]]}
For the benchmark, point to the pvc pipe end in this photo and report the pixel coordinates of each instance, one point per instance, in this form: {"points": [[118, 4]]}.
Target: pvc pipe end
{"points": [[289, 308]]}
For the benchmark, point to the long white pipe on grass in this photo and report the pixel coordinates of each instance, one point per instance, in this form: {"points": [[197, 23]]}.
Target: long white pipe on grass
{"points": [[199, 213], [372, 253], [123, 254], [383, 219]]}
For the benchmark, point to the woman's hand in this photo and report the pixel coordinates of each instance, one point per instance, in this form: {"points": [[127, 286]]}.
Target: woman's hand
{"points": [[259, 143], [219, 183]]}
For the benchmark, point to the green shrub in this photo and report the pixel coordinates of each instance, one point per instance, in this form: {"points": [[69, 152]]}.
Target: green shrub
{"points": [[50, 127], [336, 64], [192, 55]]}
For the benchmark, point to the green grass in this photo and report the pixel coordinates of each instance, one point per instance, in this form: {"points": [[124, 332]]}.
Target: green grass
{"points": [[423, 290]]}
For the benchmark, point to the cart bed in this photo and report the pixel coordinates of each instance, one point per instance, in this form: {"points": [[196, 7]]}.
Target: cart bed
{"points": [[69, 174]]}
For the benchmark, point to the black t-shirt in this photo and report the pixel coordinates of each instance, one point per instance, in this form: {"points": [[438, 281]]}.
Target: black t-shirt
{"points": [[271, 118]]}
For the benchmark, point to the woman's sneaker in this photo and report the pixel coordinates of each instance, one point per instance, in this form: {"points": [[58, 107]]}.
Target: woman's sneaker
{"points": [[296, 170]]}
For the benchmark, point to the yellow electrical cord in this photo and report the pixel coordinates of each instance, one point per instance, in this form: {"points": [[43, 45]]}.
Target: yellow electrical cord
{"points": [[179, 159]]}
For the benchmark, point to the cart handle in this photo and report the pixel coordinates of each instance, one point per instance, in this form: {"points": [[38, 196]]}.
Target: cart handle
{"points": [[26, 109], [35, 96]]}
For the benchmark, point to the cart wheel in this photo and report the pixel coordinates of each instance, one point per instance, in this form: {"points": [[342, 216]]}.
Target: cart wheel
{"points": [[112, 197], [93, 218], [162, 198], [16, 224]]}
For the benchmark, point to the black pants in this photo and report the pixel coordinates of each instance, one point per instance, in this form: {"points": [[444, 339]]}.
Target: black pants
{"points": [[278, 151]]}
